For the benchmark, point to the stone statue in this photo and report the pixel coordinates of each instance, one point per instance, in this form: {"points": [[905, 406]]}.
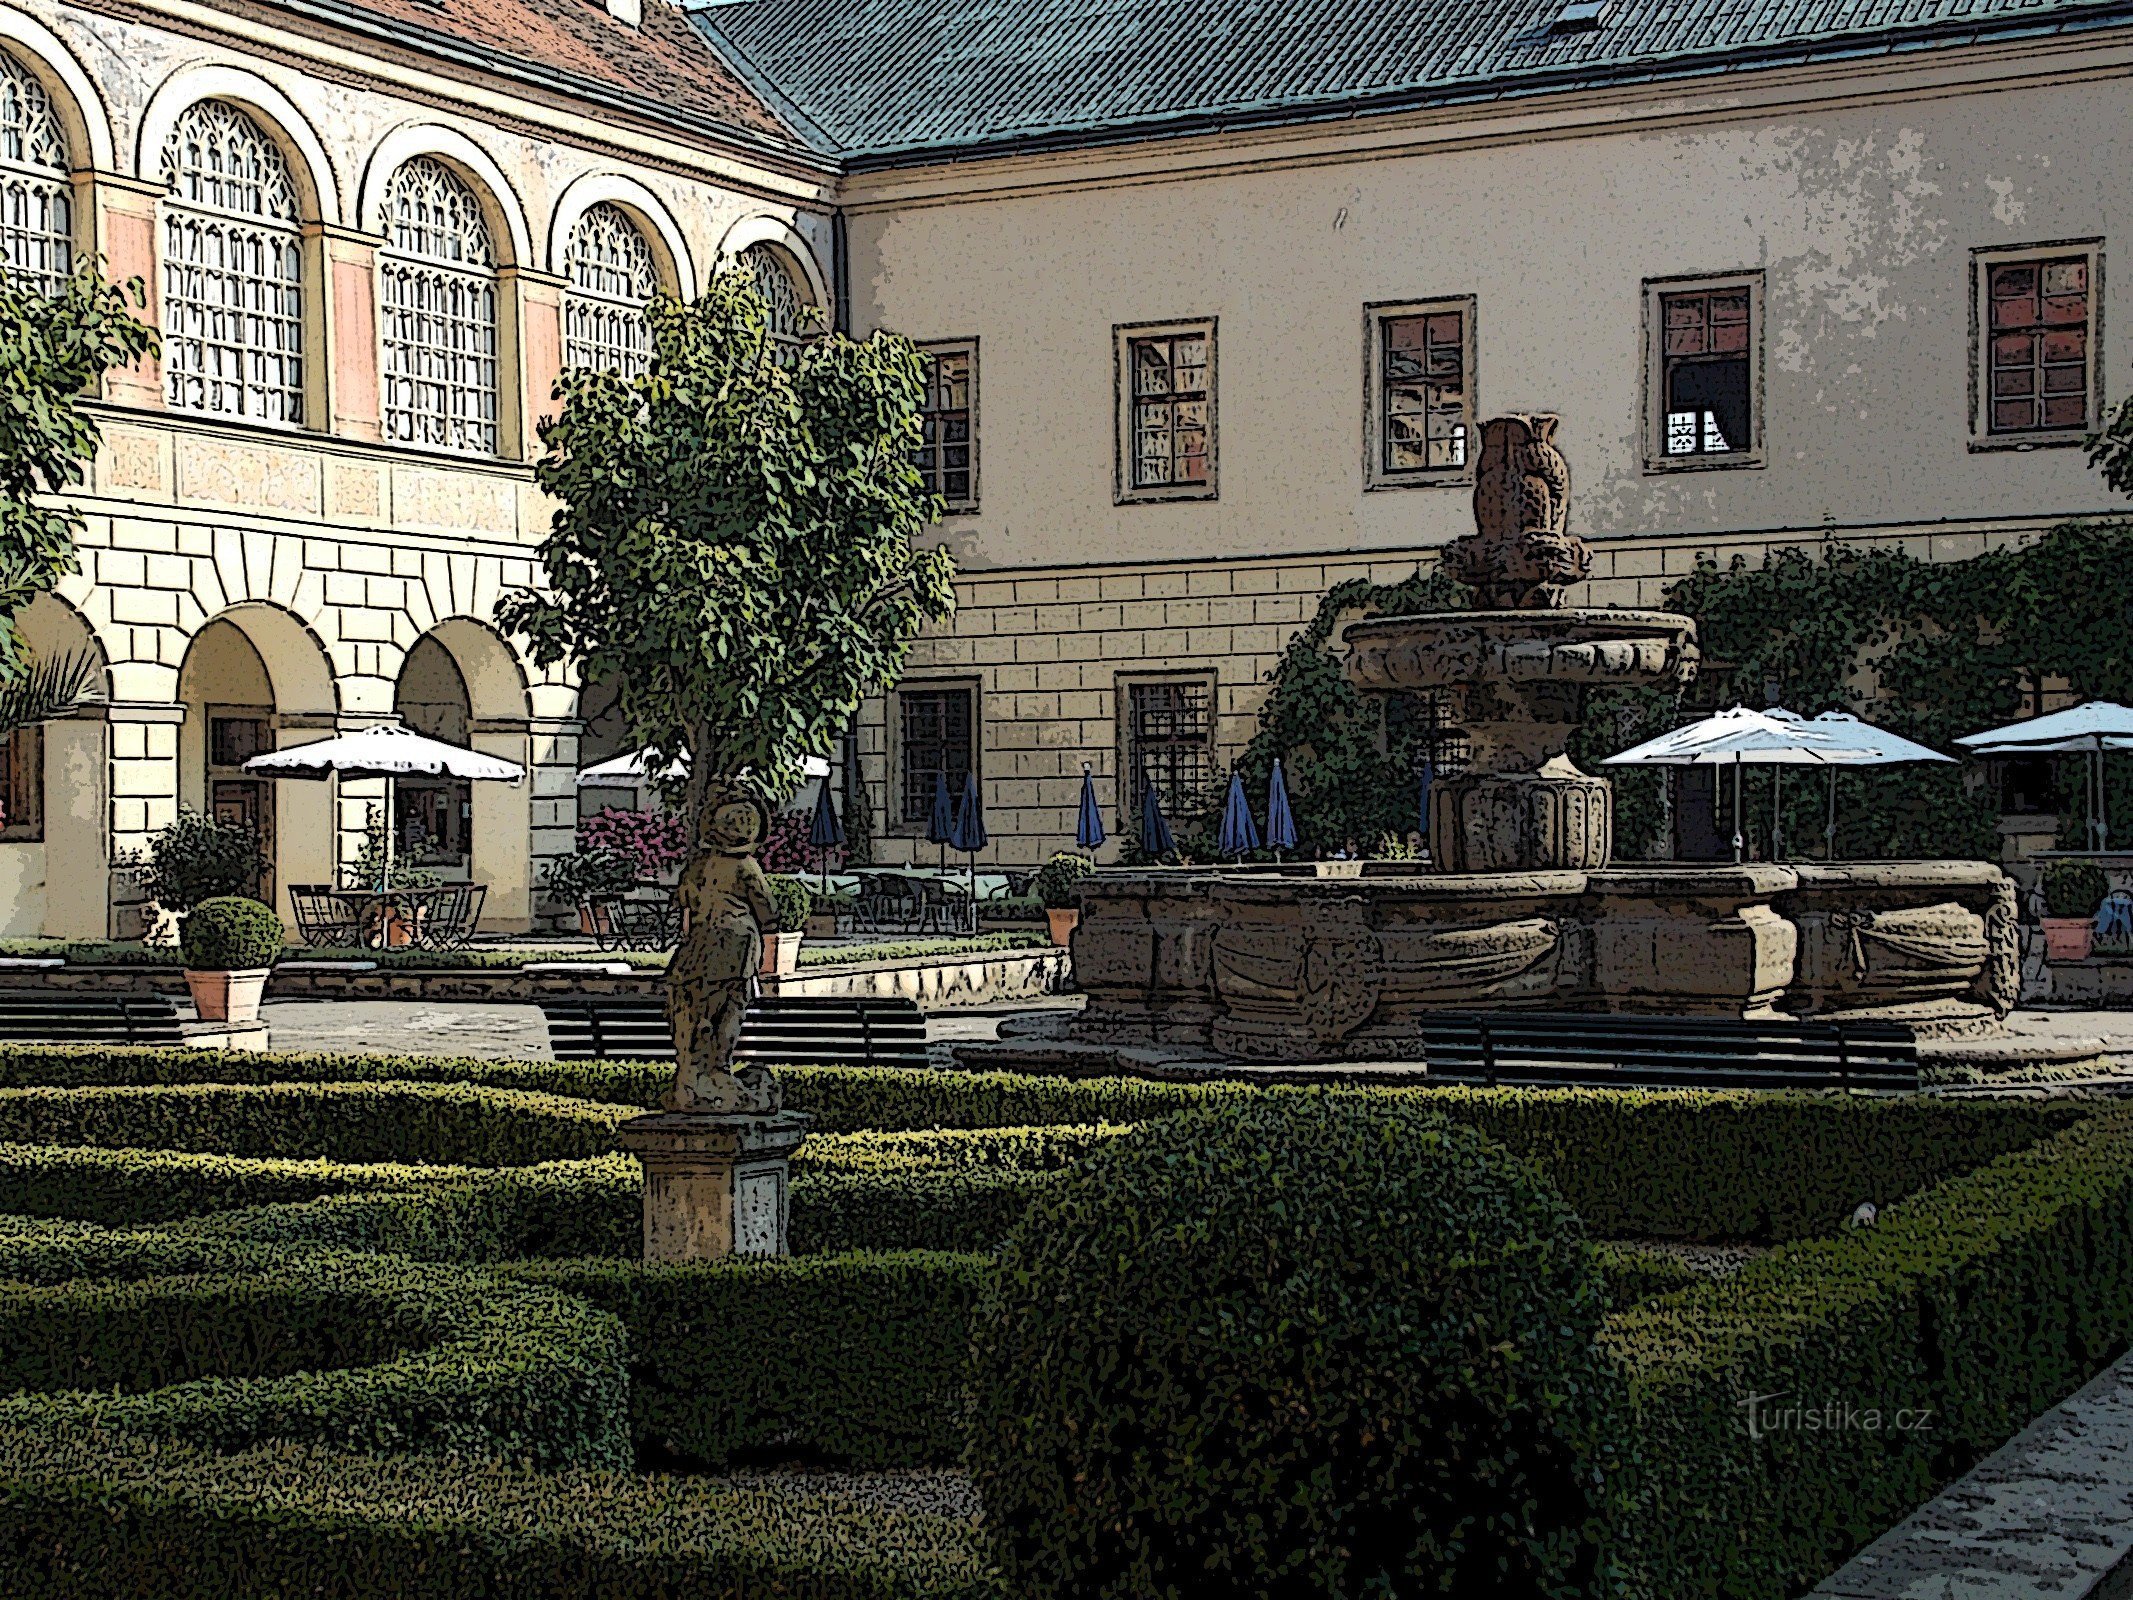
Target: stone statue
{"points": [[1519, 557], [727, 902]]}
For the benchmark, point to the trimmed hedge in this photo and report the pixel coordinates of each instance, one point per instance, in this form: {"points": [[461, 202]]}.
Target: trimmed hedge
{"points": [[1632, 1275], [444, 1124], [88, 1516], [858, 1358], [230, 1346], [1973, 1306], [126, 1188]]}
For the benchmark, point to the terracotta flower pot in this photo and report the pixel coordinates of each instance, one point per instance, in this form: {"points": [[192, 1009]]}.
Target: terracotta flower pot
{"points": [[781, 955], [2068, 938], [1062, 921], [228, 996]]}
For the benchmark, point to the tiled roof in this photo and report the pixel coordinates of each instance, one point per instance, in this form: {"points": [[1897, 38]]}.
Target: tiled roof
{"points": [[883, 80], [665, 61]]}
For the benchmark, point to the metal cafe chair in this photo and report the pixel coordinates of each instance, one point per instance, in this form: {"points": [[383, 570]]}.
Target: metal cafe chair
{"points": [[323, 917]]}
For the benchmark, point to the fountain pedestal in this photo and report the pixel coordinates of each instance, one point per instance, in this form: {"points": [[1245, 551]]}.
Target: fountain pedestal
{"points": [[1523, 805]]}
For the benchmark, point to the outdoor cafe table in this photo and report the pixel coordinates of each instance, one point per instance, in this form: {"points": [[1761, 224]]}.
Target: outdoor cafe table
{"points": [[372, 911]]}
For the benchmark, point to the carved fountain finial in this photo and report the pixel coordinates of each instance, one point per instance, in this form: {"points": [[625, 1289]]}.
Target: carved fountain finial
{"points": [[1519, 556]]}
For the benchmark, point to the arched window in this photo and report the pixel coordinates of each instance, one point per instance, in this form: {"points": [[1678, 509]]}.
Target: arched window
{"points": [[611, 276], [36, 206], [792, 314], [233, 301], [438, 317]]}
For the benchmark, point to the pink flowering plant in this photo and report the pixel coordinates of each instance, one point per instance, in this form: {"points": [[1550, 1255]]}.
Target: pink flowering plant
{"points": [[787, 849], [654, 842]]}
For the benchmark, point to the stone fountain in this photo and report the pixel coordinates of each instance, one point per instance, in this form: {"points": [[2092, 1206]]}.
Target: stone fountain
{"points": [[1190, 968]]}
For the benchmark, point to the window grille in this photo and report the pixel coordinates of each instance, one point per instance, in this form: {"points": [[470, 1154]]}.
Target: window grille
{"points": [[1425, 418], [611, 275], [792, 316], [1173, 422], [36, 204], [233, 325], [1171, 742], [438, 313], [935, 740]]}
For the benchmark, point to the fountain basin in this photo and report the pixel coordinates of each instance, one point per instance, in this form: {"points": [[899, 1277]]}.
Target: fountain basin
{"points": [[1266, 966]]}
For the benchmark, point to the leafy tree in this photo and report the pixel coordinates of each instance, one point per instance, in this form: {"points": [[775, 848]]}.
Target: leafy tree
{"points": [[735, 544], [53, 347]]}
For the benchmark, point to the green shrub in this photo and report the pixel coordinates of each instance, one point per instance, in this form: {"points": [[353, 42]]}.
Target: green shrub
{"points": [[794, 904], [921, 1209], [196, 859], [1632, 1275], [1011, 908], [88, 1516], [1314, 1344], [856, 1358], [1973, 1306], [1058, 882], [447, 1124], [230, 934], [125, 1188], [234, 1345], [2074, 888]]}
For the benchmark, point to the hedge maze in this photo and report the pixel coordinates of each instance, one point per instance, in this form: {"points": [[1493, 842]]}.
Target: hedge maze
{"points": [[368, 1325]]}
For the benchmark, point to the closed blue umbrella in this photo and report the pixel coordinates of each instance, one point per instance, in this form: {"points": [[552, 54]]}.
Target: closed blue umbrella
{"points": [[1429, 777], [940, 827], [1155, 832], [1240, 834], [1280, 821], [825, 832], [1089, 826], [968, 835]]}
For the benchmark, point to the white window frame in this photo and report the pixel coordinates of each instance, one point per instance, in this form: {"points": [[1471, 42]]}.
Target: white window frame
{"points": [[604, 325], [36, 200], [437, 311], [219, 296]]}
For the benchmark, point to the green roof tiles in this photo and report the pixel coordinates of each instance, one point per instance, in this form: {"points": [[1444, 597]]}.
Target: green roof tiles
{"points": [[890, 81]]}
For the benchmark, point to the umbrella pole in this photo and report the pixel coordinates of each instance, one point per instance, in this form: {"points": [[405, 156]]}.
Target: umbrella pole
{"points": [[385, 871], [1738, 841], [1777, 801], [1829, 833], [2103, 821]]}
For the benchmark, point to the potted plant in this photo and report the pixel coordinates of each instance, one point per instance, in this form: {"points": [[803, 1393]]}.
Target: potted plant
{"points": [[2072, 892], [370, 870], [781, 948], [230, 944], [196, 859], [587, 880], [1058, 886], [830, 914]]}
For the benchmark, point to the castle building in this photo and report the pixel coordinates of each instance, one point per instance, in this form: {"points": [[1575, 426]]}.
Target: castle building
{"points": [[1217, 294]]}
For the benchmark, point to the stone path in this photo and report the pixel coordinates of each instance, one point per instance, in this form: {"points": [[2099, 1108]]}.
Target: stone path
{"points": [[2048, 1516]]}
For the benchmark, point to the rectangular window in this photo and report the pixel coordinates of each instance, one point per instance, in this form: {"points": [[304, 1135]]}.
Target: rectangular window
{"points": [[1166, 411], [948, 456], [1170, 743], [936, 740], [22, 786], [1705, 379], [1420, 419], [2036, 365]]}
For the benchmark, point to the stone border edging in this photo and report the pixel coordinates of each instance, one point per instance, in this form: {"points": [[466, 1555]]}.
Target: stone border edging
{"points": [[2049, 1513]]}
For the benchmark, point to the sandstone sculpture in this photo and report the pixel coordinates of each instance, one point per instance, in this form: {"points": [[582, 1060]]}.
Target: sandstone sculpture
{"points": [[727, 902], [1520, 556]]}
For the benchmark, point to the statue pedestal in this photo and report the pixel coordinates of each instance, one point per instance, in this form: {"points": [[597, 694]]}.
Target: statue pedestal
{"points": [[715, 1184]]}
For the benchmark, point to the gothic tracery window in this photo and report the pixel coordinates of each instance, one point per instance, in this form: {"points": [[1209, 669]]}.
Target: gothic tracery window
{"points": [[233, 301], [792, 316], [36, 205], [611, 275], [438, 312]]}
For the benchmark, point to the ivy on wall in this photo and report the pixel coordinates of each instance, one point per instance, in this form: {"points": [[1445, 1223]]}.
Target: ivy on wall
{"points": [[1925, 649]]}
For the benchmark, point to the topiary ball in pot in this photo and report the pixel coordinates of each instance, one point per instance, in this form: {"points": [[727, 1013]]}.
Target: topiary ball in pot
{"points": [[1324, 1344], [228, 944]]}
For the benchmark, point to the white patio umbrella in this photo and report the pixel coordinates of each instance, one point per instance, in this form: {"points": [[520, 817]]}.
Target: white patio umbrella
{"points": [[389, 751], [1739, 737], [632, 770], [1878, 747], [2087, 729]]}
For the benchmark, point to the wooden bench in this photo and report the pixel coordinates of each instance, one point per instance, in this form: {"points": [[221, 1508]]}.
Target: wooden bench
{"points": [[788, 1031], [67, 1016], [1621, 1050]]}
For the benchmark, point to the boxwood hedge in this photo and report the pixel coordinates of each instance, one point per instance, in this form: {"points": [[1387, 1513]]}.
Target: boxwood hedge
{"points": [[126, 1187], [86, 1515], [230, 1345]]}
